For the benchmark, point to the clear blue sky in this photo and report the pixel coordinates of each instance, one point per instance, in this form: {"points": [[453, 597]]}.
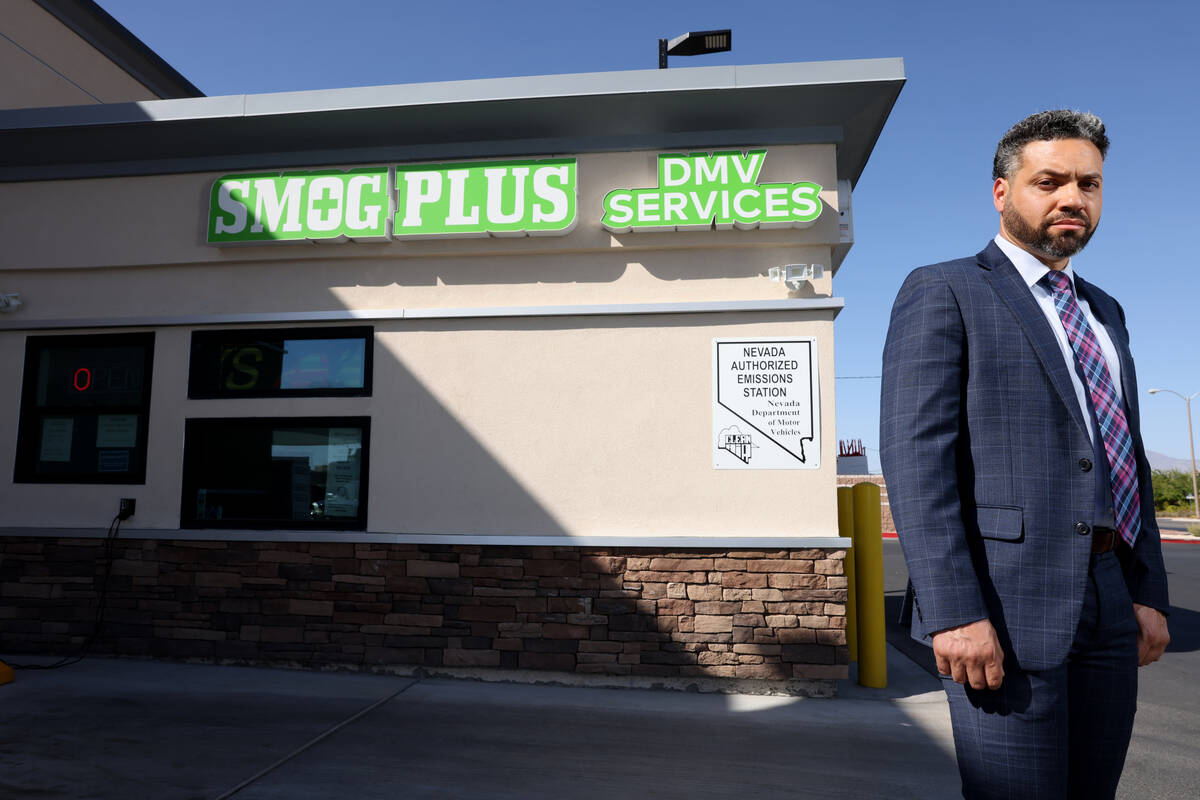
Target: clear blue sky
{"points": [[973, 69]]}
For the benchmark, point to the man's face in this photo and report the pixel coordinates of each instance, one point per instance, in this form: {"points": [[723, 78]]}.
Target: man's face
{"points": [[1051, 205]]}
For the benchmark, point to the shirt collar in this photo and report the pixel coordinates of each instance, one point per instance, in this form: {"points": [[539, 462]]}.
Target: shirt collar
{"points": [[1030, 268]]}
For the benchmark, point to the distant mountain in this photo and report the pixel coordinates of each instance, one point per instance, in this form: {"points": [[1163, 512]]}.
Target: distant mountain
{"points": [[1159, 461]]}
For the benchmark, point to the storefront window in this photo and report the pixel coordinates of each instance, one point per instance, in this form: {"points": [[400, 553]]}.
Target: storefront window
{"points": [[276, 473], [84, 407], [296, 362]]}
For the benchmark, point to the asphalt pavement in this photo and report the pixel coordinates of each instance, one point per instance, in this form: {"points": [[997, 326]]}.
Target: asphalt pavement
{"points": [[1177, 526]]}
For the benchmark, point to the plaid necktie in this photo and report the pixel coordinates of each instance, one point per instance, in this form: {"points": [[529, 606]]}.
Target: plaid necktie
{"points": [[1110, 416]]}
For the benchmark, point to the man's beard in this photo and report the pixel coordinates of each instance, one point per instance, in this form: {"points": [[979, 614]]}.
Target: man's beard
{"points": [[1054, 245]]}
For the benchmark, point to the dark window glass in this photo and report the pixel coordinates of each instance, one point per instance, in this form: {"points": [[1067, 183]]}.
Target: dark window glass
{"points": [[85, 403], [297, 362], [280, 472]]}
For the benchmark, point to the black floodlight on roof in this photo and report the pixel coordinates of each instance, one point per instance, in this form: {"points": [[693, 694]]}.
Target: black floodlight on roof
{"points": [[695, 43]]}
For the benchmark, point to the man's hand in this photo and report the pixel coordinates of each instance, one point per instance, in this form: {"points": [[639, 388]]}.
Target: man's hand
{"points": [[1153, 637], [971, 654]]}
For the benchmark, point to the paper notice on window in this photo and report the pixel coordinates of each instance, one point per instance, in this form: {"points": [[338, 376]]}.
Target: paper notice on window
{"points": [[112, 461], [56, 439], [116, 430], [341, 498]]}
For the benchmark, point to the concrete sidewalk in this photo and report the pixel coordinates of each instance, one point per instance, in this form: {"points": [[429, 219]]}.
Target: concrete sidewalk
{"points": [[135, 729]]}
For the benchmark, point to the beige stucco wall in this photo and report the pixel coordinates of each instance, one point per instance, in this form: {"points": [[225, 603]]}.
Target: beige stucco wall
{"points": [[44, 63], [532, 425]]}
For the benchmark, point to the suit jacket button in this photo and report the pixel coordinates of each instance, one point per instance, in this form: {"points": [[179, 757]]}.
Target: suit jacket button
{"points": [[1085, 464], [1082, 528]]}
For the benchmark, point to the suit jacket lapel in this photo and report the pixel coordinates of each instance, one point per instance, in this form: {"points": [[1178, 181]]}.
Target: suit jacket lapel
{"points": [[1014, 292], [1105, 310]]}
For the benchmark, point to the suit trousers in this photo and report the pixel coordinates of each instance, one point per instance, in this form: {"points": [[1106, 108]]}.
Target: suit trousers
{"points": [[1062, 732]]}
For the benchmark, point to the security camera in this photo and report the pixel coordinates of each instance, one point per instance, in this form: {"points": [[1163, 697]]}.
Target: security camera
{"points": [[9, 301]]}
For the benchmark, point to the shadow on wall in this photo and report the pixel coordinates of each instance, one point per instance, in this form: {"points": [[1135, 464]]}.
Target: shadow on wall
{"points": [[456, 268], [430, 474]]}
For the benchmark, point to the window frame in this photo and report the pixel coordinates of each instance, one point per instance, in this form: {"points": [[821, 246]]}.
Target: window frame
{"points": [[189, 479], [201, 339], [30, 416]]}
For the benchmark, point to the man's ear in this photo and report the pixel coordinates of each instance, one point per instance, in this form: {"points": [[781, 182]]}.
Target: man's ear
{"points": [[999, 193]]}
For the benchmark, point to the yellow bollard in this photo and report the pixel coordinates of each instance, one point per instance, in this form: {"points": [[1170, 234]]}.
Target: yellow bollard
{"points": [[6, 673], [845, 505], [868, 585]]}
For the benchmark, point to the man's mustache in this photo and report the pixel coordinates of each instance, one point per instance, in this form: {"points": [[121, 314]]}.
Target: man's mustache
{"points": [[1080, 217]]}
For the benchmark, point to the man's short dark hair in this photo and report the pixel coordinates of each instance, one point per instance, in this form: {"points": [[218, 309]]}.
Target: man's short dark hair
{"points": [[1046, 126]]}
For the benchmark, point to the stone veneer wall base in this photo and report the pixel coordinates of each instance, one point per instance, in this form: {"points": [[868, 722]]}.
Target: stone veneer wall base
{"points": [[703, 620]]}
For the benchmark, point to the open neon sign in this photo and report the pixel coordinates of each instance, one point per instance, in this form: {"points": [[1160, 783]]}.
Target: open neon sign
{"points": [[106, 379]]}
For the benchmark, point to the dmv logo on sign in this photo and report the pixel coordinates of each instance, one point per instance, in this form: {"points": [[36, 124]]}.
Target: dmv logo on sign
{"points": [[496, 198], [699, 191]]}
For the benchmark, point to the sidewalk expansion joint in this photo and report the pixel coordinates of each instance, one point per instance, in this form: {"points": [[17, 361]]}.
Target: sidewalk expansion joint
{"points": [[316, 740]]}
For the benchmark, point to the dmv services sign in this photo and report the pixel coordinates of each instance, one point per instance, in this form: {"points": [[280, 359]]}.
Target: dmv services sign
{"points": [[699, 191], [476, 198]]}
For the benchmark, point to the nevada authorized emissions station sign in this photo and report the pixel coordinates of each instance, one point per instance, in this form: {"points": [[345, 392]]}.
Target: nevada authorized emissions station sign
{"points": [[766, 409]]}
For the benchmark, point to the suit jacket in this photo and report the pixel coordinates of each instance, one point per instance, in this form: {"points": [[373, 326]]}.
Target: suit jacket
{"points": [[987, 458]]}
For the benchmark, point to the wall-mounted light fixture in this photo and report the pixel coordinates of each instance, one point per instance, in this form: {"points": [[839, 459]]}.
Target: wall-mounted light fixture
{"points": [[9, 301], [796, 275], [695, 43]]}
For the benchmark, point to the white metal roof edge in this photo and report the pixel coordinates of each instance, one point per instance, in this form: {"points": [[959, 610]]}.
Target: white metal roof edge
{"points": [[688, 79]]}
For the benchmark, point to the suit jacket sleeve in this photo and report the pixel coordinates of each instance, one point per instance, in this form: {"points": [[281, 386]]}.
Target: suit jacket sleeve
{"points": [[921, 437], [1148, 578]]}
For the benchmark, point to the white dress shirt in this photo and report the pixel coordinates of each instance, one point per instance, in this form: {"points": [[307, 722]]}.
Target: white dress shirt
{"points": [[1032, 271]]}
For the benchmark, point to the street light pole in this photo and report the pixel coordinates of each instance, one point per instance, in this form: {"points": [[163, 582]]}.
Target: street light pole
{"points": [[1191, 444]]}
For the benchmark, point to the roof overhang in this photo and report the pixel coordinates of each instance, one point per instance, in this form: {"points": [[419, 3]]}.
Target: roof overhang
{"points": [[841, 102]]}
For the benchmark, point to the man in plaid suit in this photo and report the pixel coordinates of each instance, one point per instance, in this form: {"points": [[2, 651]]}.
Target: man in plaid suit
{"points": [[1019, 485]]}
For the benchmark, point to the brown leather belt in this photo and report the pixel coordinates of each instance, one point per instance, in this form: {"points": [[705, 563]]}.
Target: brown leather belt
{"points": [[1104, 539]]}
